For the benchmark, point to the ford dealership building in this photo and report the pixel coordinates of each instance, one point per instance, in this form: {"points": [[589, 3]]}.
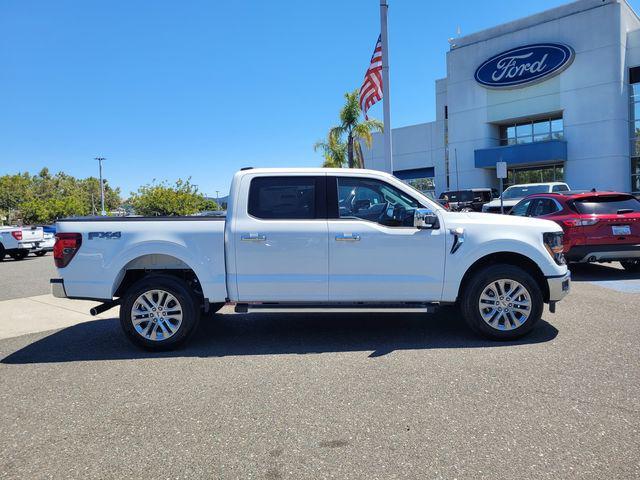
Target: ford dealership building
{"points": [[555, 95]]}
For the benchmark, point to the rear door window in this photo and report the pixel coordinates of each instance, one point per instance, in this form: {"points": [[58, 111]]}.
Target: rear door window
{"points": [[287, 198], [609, 205], [542, 206]]}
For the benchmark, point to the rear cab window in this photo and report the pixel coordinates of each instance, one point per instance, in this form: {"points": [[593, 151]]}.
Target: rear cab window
{"points": [[287, 198]]}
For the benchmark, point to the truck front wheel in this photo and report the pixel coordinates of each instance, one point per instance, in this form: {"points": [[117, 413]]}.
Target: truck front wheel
{"points": [[502, 302], [159, 312]]}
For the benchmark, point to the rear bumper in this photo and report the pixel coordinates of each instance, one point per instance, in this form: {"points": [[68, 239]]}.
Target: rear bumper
{"points": [[559, 287], [602, 253], [31, 246], [57, 288]]}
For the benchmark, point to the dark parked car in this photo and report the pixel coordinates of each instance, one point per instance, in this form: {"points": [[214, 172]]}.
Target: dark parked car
{"points": [[598, 226], [468, 200]]}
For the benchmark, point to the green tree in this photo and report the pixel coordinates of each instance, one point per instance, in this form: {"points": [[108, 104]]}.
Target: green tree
{"points": [[44, 197], [333, 150], [355, 130], [14, 189], [182, 198]]}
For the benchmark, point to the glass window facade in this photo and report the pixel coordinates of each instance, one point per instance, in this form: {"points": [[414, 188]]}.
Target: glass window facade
{"points": [[532, 131], [635, 131], [537, 174]]}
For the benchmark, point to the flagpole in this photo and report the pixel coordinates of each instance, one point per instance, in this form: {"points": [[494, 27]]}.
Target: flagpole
{"points": [[388, 159]]}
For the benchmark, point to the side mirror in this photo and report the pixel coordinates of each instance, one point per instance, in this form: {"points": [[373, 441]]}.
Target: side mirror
{"points": [[423, 218]]}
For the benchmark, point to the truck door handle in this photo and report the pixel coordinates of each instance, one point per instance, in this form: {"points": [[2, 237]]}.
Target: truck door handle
{"points": [[253, 237], [348, 237]]}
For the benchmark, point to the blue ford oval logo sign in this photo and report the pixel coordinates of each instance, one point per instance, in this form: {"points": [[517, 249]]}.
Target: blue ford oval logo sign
{"points": [[524, 65]]}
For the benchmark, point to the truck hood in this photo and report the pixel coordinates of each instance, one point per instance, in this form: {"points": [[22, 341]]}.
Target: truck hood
{"points": [[507, 222], [507, 203]]}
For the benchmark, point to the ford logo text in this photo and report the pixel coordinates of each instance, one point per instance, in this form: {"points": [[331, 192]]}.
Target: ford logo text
{"points": [[524, 65]]}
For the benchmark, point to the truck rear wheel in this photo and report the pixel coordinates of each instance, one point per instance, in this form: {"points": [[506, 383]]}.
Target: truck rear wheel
{"points": [[19, 255], [502, 302], [159, 312]]}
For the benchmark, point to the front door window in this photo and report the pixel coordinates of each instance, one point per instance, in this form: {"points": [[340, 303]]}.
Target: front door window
{"points": [[375, 201]]}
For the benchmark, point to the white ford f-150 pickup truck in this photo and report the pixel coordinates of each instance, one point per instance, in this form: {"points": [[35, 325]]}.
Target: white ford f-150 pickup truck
{"points": [[329, 240], [17, 242]]}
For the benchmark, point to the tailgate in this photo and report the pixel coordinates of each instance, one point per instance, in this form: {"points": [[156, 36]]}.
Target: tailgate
{"points": [[32, 234]]}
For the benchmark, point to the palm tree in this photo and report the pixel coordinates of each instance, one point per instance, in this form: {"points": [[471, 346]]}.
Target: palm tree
{"points": [[355, 130], [333, 150]]}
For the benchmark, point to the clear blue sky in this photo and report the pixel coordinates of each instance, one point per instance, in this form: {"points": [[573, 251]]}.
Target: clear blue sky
{"points": [[168, 89]]}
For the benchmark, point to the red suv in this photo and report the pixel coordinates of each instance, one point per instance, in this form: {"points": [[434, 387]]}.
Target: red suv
{"points": [[598, 226]]}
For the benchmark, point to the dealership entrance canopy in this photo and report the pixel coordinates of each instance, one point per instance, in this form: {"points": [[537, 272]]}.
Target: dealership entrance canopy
{"points": [[553, 95]]}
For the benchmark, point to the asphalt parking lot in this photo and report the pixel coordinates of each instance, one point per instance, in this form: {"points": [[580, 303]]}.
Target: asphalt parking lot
{"points": [[25, 278], [311, 396]]}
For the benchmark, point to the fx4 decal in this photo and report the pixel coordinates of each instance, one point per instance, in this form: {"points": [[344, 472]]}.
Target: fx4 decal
{"points": [[106, 235]]}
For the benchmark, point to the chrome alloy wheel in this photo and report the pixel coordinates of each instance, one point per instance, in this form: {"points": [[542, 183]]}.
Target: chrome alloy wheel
{"points": [[156, 315], [505, 304]]}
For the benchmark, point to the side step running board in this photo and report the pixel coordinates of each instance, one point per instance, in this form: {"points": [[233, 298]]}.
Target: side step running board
{"points": [[335, 308]]}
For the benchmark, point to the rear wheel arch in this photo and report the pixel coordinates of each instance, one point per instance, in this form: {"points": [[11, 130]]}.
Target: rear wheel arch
{"points": [[154, 264], [506, 258]]}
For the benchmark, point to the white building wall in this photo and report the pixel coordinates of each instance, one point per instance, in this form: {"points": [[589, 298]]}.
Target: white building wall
{"points": [[412, 148]]}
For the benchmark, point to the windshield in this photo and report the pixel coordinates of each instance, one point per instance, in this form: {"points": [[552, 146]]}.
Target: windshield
{"points": [[609, 205], [458, 196], [521, 192]]}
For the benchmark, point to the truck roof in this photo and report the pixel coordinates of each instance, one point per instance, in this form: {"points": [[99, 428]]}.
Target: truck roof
{"points": [[313, 170], [537, 183]]}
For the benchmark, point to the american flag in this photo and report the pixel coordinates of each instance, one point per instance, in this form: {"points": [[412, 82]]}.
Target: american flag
{"points": [[371, 90]]}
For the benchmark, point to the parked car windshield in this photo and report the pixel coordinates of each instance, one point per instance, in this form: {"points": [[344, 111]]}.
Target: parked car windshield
{"points": [[458, 196], [607, 205], [521, 192]]}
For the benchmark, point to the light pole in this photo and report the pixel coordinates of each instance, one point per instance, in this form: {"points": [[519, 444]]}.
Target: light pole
{"points": [[100, 160], [218, 198]]}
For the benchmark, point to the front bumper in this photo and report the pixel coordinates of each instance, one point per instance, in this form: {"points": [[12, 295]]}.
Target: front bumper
{"points": [[559, 287], [57, 288]]}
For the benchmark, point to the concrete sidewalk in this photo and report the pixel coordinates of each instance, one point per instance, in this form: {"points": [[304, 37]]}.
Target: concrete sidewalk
{"points": [[21, 316]]}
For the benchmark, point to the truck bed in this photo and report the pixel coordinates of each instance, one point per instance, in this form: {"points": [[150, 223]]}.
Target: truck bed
{"points": [[112, 246]]}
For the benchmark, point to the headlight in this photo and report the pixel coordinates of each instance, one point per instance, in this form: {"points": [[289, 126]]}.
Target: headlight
{"points": [[553, 243]]}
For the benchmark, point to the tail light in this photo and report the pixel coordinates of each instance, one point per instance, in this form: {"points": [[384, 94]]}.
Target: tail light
{"points": [[579, 222], [66, 246], [17, 234]]}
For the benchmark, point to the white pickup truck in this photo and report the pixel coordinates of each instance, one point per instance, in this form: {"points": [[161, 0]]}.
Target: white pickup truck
{"points": [[17, 242], [328, 240]]}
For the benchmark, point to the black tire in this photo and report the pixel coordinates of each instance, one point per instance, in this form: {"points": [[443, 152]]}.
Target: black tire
{"points": [[632, 266], [41, 253], [486, 278], [2, 253], [189, 306], [20, 255]]}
